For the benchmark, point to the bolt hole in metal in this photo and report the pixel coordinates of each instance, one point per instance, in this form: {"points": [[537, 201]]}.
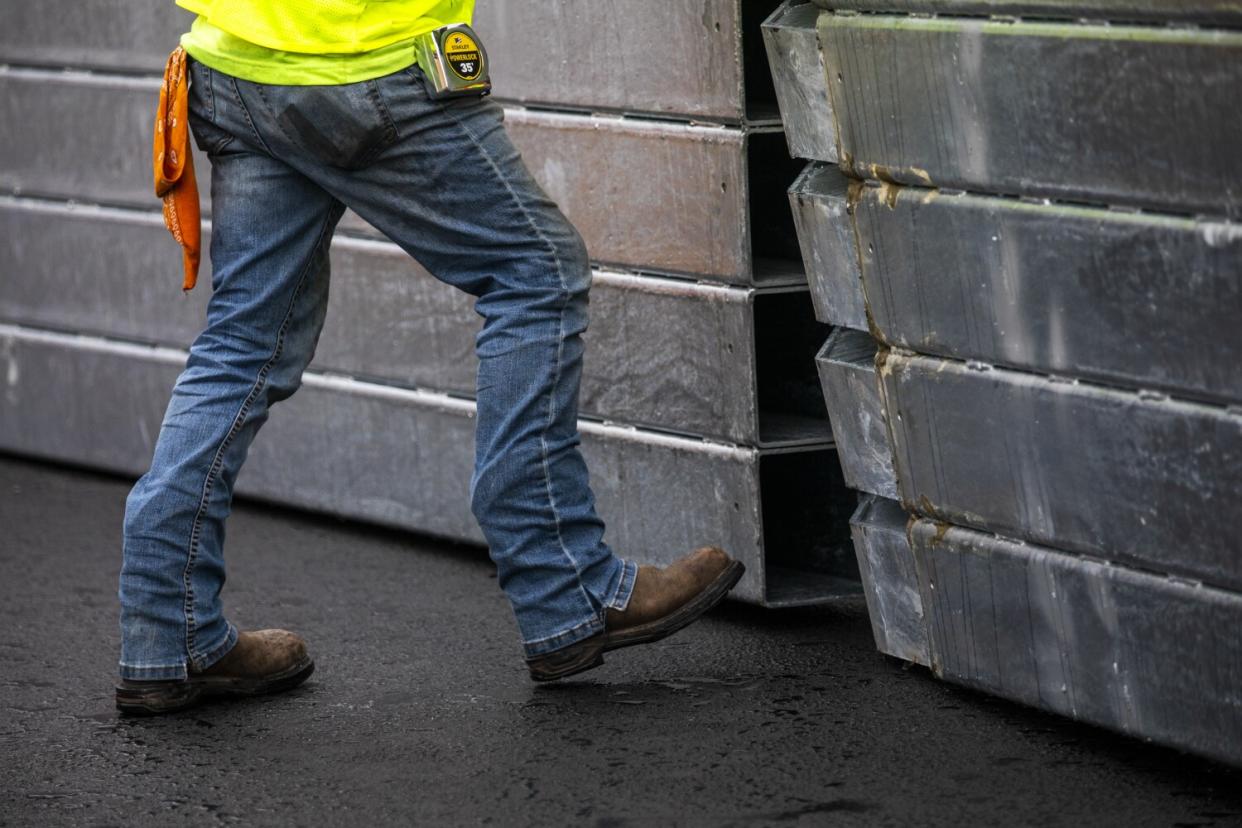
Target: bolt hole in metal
{"points": [[724, 186]]}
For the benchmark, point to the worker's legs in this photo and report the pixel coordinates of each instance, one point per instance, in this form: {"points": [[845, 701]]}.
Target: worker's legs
{"points": [[269, 250], [444, 182]]}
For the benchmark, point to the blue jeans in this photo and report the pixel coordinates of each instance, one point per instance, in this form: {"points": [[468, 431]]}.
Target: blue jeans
{"points": [[442, 180]]}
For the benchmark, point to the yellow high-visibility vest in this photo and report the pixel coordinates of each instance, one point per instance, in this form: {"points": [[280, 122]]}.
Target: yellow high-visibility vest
{"points": [[328, 26], [313, 41]]}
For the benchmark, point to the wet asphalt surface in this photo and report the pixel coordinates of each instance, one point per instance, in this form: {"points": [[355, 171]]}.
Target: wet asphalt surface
{"points": [[420, 710]]}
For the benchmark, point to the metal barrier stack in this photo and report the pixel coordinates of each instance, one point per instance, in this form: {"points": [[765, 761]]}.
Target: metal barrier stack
{"points": [[655, 129], [1037, 229]]}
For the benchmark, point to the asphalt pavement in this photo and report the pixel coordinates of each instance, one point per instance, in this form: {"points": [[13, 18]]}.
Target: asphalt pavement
{"points": [[420, 710]]}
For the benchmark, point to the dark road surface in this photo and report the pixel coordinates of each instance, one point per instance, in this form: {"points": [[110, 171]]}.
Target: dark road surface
{"points": [[420, 710]]}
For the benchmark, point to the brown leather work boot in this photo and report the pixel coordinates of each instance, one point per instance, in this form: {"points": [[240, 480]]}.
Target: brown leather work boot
{"points": [[663, 601], [265, 661]]}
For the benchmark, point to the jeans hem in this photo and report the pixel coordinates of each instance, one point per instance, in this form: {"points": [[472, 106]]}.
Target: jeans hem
{"points": [[561, 640], [217, 652], [146, 672], [625, 587], [180, 671]]}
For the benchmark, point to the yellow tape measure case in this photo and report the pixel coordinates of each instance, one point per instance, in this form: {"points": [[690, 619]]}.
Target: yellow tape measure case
{"points": [[454, 61]]}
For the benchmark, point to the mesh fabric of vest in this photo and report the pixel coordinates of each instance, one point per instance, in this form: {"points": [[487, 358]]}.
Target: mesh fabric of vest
{"points": [[329, 26]]}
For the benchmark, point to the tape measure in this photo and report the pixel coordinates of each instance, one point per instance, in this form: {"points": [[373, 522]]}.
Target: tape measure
{"points": [[454, 61]]}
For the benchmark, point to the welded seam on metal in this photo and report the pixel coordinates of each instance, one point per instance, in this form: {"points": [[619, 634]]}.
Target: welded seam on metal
{"points": [[85, 342], [515, 110], [1036, 202], [1099, 17], [89, 209], [146, 82], [742, 124], [1129, 392], [592, 121], [646, 281]]}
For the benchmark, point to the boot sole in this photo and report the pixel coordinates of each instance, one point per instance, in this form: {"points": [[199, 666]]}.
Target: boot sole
{"points": [[140, 698], [589, 653]]}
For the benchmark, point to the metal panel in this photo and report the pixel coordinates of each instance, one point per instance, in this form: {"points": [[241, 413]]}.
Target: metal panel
{"points": [[819, 198], [846, 366], [801, 80], [124, 35], [648, 195], [665, 353], [672, 354], [98, 270], [48, 120], [645, 194], [1135, 299], [1111, 114], [677, 57], [1120, 475], [1134, 651], [1201, 11], [890, 582], [402, 457]]}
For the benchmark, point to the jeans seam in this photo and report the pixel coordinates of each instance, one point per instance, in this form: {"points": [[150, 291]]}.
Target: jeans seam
{"points": [[220, 650], [209, 85], [560, 275], [222, 137], [246, 114], [217, 138], [218, 460], [258, 89], [390, 131], [625, 586]]}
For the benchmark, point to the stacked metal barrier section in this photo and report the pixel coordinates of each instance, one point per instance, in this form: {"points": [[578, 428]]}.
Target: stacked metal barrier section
{"points": [[654, 127], [1023, 216]]}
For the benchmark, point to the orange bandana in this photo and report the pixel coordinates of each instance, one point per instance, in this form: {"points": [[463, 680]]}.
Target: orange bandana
{"points": [[174, 165]]}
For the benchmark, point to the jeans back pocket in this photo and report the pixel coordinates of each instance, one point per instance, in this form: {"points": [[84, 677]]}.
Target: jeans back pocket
{"points": [[343, 125]]}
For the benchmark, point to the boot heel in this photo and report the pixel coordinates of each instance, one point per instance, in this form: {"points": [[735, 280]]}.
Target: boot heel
{"points": [[133, 699], [577, 658]]}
